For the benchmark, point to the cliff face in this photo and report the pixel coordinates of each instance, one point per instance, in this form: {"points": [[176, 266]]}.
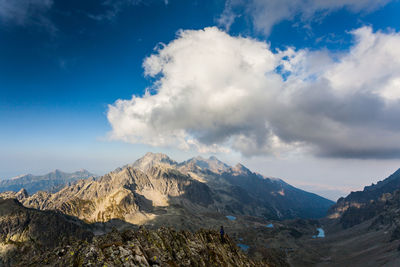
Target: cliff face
{"points": [[361, 200], [24, 230], [383, 213]]}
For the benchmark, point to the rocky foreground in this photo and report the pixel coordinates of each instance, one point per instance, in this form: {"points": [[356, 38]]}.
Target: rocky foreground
{"points": [[162, 247], [30, 237]]}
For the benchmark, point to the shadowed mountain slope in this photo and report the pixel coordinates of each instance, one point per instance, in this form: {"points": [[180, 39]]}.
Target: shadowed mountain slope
{"points": [[23, 230], [280, 200], [362, 229], [370, 194]]}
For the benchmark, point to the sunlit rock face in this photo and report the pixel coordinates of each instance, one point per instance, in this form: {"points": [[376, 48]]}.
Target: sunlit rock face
{"points": [[156, 185]]}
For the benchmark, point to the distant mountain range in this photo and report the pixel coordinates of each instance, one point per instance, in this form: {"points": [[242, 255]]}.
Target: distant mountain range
{"points": [[52, 181]]}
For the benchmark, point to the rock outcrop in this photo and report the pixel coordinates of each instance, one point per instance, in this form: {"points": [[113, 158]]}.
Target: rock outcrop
{"points": [[163, 247], [23, 230]]}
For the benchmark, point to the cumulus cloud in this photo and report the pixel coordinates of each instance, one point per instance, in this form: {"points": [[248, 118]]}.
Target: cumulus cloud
{"points": [[266, 13], [215, 92], [24, 12]]}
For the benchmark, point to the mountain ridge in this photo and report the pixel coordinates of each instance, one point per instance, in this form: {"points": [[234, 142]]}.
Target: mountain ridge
{"points": [[48, 182], [138, 192], [370, 193]]}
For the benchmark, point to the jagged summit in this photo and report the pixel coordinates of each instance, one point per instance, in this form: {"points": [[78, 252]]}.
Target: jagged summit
{"points": [[151, 159], [156, 156], [212, 163], [21, 194]]}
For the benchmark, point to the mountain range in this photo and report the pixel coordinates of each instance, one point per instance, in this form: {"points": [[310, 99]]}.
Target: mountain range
{"points": [[156, 186], [153, 212], [372, 193], [48, 182]]}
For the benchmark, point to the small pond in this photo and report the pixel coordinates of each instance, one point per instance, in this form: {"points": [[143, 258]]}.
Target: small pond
{"points": [[231, 218], [243, 247], [321, 233]]}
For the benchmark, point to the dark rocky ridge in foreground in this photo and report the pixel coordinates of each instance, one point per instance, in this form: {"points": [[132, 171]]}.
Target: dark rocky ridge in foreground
{"points": [[162, 247], [24, 231], [31, 237]]}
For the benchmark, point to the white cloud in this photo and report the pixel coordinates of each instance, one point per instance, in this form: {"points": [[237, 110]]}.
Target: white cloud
{"points": [[374, 65], [266, 13], [215, 92]]}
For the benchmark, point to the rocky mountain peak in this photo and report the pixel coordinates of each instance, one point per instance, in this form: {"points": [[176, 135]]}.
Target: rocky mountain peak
{"points": [[156, 156], [21, 194], [152, 159], [240, 169], [212, 163]]}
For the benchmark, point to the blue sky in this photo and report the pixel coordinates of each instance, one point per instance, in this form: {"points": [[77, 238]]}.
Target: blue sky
{"points": [[62, 63]]}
